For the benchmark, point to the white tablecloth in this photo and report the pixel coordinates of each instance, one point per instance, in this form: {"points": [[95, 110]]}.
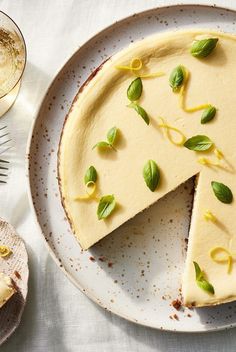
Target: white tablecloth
{"points": [[58, 317]]}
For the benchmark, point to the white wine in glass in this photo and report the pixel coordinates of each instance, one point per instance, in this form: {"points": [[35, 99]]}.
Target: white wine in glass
{"points": [[12, 61]]}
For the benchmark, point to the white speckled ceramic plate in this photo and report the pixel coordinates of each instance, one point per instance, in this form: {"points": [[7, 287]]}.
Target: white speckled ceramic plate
{"points": [[136, 271]]}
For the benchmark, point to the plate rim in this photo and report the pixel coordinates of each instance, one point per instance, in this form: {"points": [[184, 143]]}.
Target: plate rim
{"points": [[70, 56]]}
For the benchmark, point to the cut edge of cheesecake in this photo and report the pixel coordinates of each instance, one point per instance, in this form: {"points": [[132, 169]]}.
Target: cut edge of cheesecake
{"points": [[185, 301]]}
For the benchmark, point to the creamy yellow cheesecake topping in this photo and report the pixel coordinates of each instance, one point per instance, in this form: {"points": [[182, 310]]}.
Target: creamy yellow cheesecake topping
{"points": [[171, 130]]}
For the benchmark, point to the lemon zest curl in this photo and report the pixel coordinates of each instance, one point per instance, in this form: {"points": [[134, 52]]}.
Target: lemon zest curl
{"points": [[226, 258], [182, 96], [136, 65], [168, 128], [209, 216], [5, 251], [218, 153], [90, 192]]}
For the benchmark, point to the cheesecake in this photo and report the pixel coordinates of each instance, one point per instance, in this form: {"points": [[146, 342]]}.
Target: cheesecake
{"points": [[7, 289], [155, 114]]}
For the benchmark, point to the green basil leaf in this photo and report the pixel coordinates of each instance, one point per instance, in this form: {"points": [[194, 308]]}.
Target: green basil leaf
{"points": [[202, 48], [222, 192], [112, 135], [151, 175], [135, 89], [198, 143], [111, 138], [208, 114], [140, 111], [206, 286], [176, 78], [198, 271], [90, 175], [102, 145], [106, 206], [201, 281]]}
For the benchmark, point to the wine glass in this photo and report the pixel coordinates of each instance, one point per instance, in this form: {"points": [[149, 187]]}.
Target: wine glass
{"points": [[12, 61]]}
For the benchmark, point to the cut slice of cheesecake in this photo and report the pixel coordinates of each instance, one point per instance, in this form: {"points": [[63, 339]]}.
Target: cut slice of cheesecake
{"points": [[7, 289], [102, 104]]}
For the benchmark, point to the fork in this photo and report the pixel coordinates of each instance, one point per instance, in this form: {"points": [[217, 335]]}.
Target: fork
{"points": [[3, 163]]}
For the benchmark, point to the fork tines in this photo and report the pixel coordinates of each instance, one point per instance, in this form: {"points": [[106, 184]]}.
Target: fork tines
{"points": [[6, 141], [3, 162], [3, 175]]}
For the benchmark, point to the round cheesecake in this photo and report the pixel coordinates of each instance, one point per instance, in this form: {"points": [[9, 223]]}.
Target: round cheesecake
{"points": [[112, 99]]}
